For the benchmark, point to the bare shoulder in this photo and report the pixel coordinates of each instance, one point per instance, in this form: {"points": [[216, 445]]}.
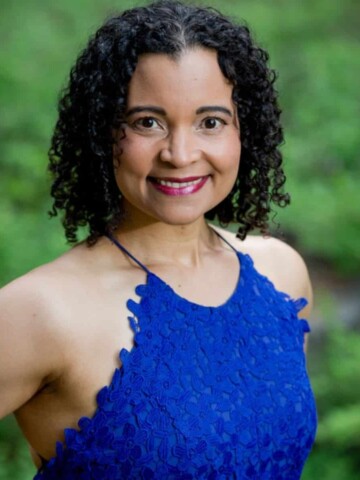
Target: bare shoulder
{"points": [[45, 299], [279, 262], [35, 291], [37, 300], [33, 331]]}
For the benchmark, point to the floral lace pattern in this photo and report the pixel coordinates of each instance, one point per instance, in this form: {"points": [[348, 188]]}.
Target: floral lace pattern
{"points": [[205, 393]]}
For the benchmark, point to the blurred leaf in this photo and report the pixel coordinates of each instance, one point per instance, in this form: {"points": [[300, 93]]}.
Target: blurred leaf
{"points": [[341, 427]]}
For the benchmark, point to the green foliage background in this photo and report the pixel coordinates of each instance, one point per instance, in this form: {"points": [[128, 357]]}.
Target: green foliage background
{"points": [[314, 45]]}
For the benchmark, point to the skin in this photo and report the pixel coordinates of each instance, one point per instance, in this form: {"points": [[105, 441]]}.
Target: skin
{"points": [[191, 133], [63, 324]]}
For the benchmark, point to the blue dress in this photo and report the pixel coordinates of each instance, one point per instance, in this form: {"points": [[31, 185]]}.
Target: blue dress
{"points": [[205, 393]]}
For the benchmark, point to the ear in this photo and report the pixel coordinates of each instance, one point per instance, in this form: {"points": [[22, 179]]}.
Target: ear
{"points": [[116, 155]]}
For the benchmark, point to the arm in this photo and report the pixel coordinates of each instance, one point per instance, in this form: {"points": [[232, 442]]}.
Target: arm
{"points": [[29, 353]]}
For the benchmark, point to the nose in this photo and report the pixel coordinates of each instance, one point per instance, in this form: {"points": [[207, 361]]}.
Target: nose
{"points": [[180, 148]]}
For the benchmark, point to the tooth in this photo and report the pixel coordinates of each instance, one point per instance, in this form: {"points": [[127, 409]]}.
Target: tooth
{"points": [[178, 184]]}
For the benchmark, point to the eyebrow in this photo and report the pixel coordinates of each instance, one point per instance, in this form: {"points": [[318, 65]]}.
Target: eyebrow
{"points": [[161, 111], [214, 108], [146, 108]]}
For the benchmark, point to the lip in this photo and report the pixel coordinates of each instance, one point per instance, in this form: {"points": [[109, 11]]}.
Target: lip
{"points": [[176, 189]]}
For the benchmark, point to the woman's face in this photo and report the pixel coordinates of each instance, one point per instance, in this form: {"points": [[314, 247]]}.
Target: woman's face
{"points": [[179, 152]]}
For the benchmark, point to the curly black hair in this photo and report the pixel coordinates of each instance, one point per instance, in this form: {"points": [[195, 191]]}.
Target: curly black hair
{"points": [[94, 104]]}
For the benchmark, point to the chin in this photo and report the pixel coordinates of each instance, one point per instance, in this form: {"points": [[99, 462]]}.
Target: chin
{"points": [[180, 220], [176, 215], [181, 217]]}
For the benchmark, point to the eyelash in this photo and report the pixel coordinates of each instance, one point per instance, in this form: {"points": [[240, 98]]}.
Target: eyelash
{"points": [[217, 119], [139, 122]]}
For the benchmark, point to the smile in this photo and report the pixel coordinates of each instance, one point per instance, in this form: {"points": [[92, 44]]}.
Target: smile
{"points": [[178, 186]]}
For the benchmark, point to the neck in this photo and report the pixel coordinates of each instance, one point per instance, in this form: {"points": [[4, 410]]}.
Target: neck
{"points": [[156, 242]]}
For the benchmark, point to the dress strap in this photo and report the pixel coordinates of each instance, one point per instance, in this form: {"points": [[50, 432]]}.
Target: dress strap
{"points": [[141, 265], [123, 249], [224, 240]]}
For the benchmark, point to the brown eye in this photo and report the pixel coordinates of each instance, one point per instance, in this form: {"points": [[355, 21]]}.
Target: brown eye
{"points": [[147, 122], [211, 123], [147, 125]]}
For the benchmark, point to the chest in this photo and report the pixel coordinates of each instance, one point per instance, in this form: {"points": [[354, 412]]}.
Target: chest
{"points": [[211, 386]]}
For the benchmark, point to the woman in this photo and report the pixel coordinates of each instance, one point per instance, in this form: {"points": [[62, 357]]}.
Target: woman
{"points": [[170, 119]]}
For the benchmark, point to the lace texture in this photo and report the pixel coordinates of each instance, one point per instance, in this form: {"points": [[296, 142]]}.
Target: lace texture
{"points": [[205, 393]]}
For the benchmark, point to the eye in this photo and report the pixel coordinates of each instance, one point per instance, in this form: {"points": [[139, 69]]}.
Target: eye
{"points": [[146, 123], [212, 123]]}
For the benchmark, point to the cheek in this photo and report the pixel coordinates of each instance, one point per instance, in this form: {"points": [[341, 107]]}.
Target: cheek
{"points": [[229, 153], [135, 158], [235, 151]]}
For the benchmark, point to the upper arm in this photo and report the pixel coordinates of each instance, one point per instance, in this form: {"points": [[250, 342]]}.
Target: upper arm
{"points": [[29, 353]]}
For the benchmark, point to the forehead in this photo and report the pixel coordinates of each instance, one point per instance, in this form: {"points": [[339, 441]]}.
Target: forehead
{"points": [[192, 78]]}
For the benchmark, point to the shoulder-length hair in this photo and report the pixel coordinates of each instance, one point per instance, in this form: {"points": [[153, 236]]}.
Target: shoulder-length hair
{"points": [[94, 103]]}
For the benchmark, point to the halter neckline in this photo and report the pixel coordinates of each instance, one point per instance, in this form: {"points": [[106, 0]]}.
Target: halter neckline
{"points": [[141, 265]]}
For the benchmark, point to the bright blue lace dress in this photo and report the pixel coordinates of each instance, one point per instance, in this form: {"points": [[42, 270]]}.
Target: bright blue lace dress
{"points": [[205, 393]]}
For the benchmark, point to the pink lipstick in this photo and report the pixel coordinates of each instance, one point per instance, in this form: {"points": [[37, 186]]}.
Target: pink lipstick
{"points": [[178, 186]]}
